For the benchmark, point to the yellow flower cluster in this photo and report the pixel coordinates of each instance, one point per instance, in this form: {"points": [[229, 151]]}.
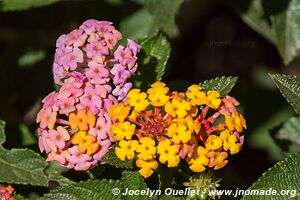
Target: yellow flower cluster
{"points": [[159, 126]]}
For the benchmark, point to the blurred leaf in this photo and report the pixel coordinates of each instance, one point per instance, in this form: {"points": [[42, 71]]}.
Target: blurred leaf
{"points": [[91, 189], [285, 175], [27, 137], [2, 132], [111, 158], [19, 197], [21, 166], [288, 136], [260, 138], [222, 84], [31, 58], [286, 26], [289, 86], [164, 13], [277, 21], [134, 25], [253, 14], [154, 15], [133, 181], [15, 5]]}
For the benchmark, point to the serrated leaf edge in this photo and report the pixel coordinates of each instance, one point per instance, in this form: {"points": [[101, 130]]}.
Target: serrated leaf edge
{"points": [[275, 78], [271, 168]]}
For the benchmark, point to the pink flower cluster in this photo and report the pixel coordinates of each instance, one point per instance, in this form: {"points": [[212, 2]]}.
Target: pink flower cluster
{"points": [[93, 72], [75, 95], [93, 50]]}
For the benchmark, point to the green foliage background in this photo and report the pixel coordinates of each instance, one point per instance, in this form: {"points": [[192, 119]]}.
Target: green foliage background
{"points": [[183, 42]]}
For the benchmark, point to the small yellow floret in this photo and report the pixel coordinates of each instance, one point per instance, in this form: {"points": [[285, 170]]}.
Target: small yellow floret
{"points": [[119, 112], [213, 99], [178, 108], [213, 142], [126, 149], [87, 143], [146, 148], [179, 133], [196, 95], [122, 130], [137, 100], [82, 120], [168, 153]]}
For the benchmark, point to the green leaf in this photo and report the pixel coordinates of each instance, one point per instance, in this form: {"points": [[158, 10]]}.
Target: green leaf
{"points": [[286, 27], [153, 60], [16, 5], [289, 86], [222, 84], [91, 189], [154, 15], [134, 25], [253, 14], [2, 132], [31, 58], [21, 166], [288, 136], [111, 158], [101, 189], [164, 13], [277, 21], [60, 179], [158, 47], [133, 181], [260, 137], [27, 137], [19, 197], [54, 171], [285, 175]]}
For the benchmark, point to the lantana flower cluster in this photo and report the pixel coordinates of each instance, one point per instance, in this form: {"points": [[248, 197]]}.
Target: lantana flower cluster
{"points": [[74, 124], [160, 126], [93, 50], [6, 192], [93, 73]]}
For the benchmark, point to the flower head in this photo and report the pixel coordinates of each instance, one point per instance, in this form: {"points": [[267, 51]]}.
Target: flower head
{"points": [[93, 50], [74, 124], [6, 193], [163, 127]]}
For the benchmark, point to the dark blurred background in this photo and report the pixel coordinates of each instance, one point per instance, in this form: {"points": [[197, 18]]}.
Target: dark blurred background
{"points": [[212, 40]]}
